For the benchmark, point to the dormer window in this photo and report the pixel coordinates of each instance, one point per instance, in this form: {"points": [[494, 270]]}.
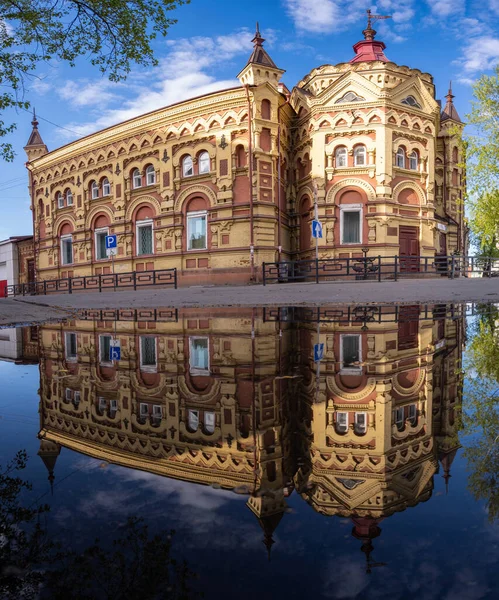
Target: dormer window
{"points": [[204, 162], [150, 175], [359, 156], [94, 189], [411, 101], [106, 187], [136, 179], [350, 97], [340, 156], [400, 158], [187, 167]]}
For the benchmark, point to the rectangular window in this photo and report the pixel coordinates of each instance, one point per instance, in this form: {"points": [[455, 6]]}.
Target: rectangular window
{"points": [[399, 418], [412, 414], [196, 231], [157, 411], [148, 352], [144, 238], [104, 348], [102, 404], [209, 422], [193, 417], [70, 346], [100, 243], [67, 250], [144, 410], [199, 355], [342, 422], [350, 353], [68, 394], [76, 398], [350, 223], [114, 405], [360, 422]]}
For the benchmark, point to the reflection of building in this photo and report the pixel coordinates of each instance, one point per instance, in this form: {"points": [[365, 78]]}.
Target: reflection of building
{"points": [[376, 414], [19, 344], [225, 399], [216, 185]]}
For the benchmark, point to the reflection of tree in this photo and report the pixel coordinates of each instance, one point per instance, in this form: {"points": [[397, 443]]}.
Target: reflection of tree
{"points": [[134, 565]]}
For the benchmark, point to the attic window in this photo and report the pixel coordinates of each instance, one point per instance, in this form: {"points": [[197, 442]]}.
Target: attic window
{"points": [[411, 101], [350, 97]]}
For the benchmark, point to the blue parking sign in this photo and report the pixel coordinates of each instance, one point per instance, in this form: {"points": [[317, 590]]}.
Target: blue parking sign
{"points": [[316, 229], [111, 241], [115, 350], [318, 352]]}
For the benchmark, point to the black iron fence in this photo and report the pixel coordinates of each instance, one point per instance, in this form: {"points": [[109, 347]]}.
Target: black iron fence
{"points": [[111, 281], [379, 268]]}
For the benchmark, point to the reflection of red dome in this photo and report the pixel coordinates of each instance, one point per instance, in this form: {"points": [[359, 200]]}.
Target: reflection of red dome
{"points": [[366, 529]]}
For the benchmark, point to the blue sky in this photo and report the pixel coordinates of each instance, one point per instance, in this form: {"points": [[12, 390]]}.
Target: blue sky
{"points": [[451, 39]]}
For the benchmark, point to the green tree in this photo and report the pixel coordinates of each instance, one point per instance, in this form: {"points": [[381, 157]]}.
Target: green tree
{"points": [[482, 152], [113, 34]]}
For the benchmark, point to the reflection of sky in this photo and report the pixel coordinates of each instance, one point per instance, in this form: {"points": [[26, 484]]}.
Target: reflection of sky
{"points": [[441, 549]]}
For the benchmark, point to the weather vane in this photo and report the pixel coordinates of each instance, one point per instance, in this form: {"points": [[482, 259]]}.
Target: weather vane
{"points": [[369, 33]]}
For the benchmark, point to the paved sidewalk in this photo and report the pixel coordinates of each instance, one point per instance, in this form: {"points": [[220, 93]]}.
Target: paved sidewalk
{"points": [[30, 308]]}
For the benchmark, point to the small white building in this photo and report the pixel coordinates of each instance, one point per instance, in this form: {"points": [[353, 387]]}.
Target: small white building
{"points": [[11, 344], [9, 261]]}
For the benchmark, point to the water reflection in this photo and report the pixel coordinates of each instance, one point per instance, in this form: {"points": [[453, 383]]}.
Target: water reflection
{"points": [[234, 399]]}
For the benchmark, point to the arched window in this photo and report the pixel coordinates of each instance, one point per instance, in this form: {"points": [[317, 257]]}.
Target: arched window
{"points": [[94, 189], [60, 200], [187, 166], [341, 422], [340, 156], [359, 156], [413, 160], [193, 420], [400, 158], [106, 187], [204, 162], [266, 106], [150, 175], [69, 198], [240, 156], [455, 155], [136, 179]]}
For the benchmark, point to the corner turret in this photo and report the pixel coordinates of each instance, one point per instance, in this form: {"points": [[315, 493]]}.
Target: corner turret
{"points": [[260, 68], [36, 146]]}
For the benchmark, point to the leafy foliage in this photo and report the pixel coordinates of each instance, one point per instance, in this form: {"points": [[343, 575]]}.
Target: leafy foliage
{"points": [[112, 34]]}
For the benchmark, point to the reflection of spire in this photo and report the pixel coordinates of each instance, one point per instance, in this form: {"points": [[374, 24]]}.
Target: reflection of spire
{"points": [[269, 507], [446, 459], [366, 529], [49, 451]]}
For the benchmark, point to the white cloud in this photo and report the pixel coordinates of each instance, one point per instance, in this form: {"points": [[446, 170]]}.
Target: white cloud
{"points": [[321, 16], [185, 72], [446, 8], [494, 5], [85, 93], [480, 54]]}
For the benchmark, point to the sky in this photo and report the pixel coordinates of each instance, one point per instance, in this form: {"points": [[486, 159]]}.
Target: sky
{"points": [[211, 42]]}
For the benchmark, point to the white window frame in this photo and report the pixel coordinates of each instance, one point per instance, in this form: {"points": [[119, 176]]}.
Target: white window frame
{"points": [[351, 370], [209, 428], [399, 422], [107, 361], [136, 179], [150, 171], [113, 406], [414, 156], [94, 187], [67, 344], [102, 404], [352, 208], [60, 200], [145, 223], [97, 232], [196, 215], [157, 411], [76, 398], [355, 156], [149, 368], [106, 187], [341, 427], [360, 428], [400, 157], [67, 394], [69, 198], [192, 368], [344, 154], [144, 409], [204, 158], [412, 414], [189, 413], [65, 238], [186, 158]]}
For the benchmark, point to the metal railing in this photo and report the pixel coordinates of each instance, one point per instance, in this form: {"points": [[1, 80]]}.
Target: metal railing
{"points": [[106, 282], [379, 268]]}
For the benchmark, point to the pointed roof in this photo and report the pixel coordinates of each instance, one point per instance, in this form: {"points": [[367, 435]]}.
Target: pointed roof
{"points": [[369, 49], [35, 139], [269, 524], [259, 56], [450, 111]]}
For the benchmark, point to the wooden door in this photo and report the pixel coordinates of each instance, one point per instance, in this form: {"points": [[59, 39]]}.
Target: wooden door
{"points": [[409, 247], [31, 270]]}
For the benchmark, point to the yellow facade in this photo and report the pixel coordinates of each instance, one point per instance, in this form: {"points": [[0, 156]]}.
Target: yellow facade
{"points": [[218, 184], [233, 401]]}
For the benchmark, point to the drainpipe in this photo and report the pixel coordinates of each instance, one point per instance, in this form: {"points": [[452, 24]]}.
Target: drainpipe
{"points": [[250, 175]]}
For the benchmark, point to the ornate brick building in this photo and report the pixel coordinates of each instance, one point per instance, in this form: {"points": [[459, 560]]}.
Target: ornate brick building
{"points": [[218, 184]]}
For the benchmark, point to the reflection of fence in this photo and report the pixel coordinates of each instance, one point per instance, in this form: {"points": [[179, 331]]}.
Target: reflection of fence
{"points": [[158, 315], [111, 281], [379, 268], [375, 313]]}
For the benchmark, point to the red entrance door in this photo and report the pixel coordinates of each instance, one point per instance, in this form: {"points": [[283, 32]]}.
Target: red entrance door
{"points": [[409, 247]]}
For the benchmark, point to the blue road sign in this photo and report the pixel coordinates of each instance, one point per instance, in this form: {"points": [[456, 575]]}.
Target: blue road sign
{"points": [[316, 229], [111, 241], [115, 350], [318, 352]]}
